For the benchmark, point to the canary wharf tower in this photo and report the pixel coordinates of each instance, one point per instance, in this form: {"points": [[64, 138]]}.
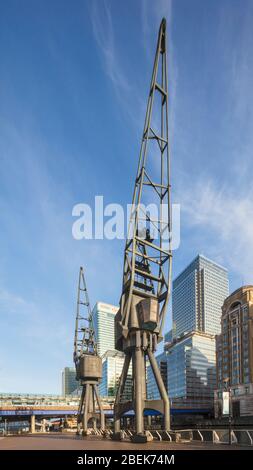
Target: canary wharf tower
{"points": [[197, 297]]}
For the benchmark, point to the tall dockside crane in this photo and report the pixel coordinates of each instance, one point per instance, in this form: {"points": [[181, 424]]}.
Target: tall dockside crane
{"points": [[147, 259], [88, 363]]}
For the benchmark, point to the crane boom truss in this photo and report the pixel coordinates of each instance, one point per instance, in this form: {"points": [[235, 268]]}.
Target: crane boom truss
{"points": [[155, 252], [148, 255], [84, 341]]}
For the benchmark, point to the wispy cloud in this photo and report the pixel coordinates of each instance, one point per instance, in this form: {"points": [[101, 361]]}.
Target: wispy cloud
{"points": [[130, 98], [104, 34], [217, 208], [238, 72], [130, 93], [222, 220]]}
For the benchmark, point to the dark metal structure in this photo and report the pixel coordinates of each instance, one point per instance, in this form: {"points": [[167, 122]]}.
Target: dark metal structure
{"points": [[88, 363], [147, 258]]}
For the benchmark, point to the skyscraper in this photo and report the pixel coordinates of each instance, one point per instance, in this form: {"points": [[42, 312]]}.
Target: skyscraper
{"points": [[197, 297], [69, 382], [103, 320]]}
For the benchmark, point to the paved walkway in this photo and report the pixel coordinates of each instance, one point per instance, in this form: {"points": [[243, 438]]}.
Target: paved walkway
{"points": [[59, 441]]}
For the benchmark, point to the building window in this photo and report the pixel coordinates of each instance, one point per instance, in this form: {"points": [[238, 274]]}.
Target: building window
{"points": [[245, 313]]}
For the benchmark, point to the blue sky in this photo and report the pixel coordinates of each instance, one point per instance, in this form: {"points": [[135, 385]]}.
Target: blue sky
{"points": [[74, 79]]}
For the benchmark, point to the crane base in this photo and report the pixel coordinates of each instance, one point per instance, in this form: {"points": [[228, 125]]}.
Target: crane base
{"points": [[118, 436], [142, 438], [87, 410]]}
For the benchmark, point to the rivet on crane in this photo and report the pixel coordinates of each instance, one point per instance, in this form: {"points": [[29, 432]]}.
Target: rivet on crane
{"points": [[88, 363], [147, 260]]}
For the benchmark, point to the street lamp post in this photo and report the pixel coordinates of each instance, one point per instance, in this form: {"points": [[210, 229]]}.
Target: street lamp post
{"points": [[228, 389], [230, 418]]}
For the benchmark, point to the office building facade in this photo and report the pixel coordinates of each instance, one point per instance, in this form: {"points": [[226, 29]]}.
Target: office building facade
{"points": [[152, 389], [192, 370], [197, 297], [188, 366], [112, 364], [168, 337], [69, 382], [234, 350], [103, 321]]}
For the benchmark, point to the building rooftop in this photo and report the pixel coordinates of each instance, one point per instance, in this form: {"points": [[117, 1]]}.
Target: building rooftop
{"points": [[200, 256], [241, 289], [186, 335], [107, 307], [112, 353]]}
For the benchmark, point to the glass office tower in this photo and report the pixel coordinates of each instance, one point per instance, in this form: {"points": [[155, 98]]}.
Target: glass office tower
{"points": [[197, 297], [188, 369], [103, 320], [152, 390], [112, 364], [192, 370], [69, 382]]}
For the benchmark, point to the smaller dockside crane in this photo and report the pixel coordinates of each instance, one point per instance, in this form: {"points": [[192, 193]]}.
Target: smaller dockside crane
{"points": [[87, 362]]}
